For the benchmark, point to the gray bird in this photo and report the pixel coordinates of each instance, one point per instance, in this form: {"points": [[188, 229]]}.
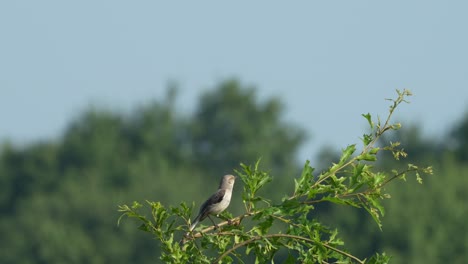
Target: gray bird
{"points": [[217, 203]]}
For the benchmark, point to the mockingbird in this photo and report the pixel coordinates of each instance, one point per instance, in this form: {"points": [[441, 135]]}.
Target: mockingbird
{"points": [[217, 203]]}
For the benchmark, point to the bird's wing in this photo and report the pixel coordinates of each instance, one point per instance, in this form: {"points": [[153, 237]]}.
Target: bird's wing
{"points": [[216, 198]]}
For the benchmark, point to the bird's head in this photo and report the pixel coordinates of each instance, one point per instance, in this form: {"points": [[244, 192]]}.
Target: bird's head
{"points": [[228, 180]]}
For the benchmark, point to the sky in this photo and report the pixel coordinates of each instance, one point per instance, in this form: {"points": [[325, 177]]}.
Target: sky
{"points": [[329, 61]]}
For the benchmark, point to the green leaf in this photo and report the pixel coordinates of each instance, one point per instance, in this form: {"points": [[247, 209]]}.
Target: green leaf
{"points": [[249, 248], [265, 225], [418, 178], [136, 205], [367, 139], [375, 216], [347, 153], [379, 259], [376, 203], [355, 179], [367, 157], [368, 117], [144, 227], [341, 201], [374, 151], [302, 185]]}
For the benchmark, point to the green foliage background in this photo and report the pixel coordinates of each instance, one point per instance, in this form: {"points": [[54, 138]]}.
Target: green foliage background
{"points": [[58, 198]]}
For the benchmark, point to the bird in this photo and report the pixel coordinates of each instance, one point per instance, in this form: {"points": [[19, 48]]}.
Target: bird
{"points": [[217, 203]]}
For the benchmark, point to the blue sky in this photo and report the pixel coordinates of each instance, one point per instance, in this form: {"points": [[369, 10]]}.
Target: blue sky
{"points": [[330, 61]]}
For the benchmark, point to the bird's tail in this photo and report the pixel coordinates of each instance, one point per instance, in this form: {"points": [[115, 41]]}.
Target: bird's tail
{"points": [[195, 222]]}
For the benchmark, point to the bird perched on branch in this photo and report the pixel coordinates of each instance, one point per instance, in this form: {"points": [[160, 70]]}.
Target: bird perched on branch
{"points": [[217, 203]]}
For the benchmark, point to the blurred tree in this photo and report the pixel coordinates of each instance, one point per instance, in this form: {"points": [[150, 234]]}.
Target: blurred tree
{"points": [[230, 126], [24, 170], [458, 140], [58, 198]]}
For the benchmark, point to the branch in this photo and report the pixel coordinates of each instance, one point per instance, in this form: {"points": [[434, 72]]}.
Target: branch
{"points": [[396, 176], [234, 221], [217, 260]]}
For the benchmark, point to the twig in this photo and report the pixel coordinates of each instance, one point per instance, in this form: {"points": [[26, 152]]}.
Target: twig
{"points": [[287, 236], [233, 221]]}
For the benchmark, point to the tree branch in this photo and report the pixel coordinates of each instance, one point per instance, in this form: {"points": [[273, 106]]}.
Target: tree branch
{"points": [[234, 221], [217, 260]]}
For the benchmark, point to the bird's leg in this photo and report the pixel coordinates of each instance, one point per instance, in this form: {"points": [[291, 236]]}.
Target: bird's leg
{"points": [[216, 226], [225, 218]]}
